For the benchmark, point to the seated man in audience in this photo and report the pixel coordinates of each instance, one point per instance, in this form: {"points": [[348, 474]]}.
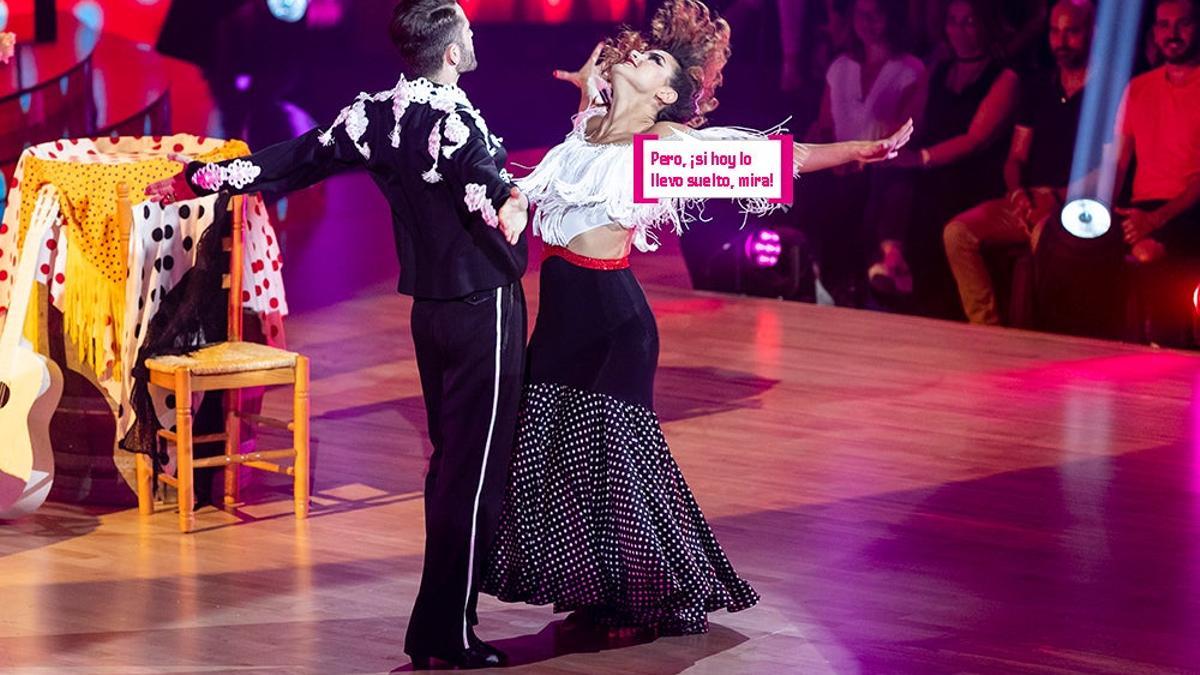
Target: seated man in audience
{"points": [[1158, 134], [1159, 127], [1039, 162]]}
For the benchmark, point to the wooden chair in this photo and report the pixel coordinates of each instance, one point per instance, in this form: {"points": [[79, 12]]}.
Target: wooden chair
{"points": [[226, 366]]}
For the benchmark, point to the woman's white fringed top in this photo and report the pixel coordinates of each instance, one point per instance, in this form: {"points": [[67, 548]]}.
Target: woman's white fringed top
{"points": [[579, 186]]}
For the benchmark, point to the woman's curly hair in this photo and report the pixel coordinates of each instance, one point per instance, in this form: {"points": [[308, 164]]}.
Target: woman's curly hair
{"points": [[699, 41]]}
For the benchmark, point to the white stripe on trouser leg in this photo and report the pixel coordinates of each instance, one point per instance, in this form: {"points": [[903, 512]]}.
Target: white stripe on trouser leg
{"points": [[487, 447]]}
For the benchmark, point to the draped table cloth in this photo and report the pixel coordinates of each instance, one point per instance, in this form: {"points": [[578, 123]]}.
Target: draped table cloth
{"points": [[107, 295]]}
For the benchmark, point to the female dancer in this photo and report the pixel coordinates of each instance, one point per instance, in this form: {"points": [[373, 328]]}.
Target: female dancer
{"points": [[597, 515]]}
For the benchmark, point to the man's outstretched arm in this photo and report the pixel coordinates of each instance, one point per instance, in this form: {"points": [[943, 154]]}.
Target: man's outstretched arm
{"points": [[283, 167]]}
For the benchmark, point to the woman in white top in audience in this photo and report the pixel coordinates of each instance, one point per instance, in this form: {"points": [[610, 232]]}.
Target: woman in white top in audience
{"points": [[869, 90], [598, 518]]}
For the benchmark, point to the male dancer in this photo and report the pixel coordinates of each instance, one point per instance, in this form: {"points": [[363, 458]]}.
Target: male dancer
{"points": [[458, 222]]}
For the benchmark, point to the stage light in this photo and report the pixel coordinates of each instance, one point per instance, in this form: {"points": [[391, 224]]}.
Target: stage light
{"points": [[1196, 316], [3, 14], [763, 258], [290, 11], [763, 247], [1078, 273], [1086, 218], [325, 13], [555, 11], [242, 82]]}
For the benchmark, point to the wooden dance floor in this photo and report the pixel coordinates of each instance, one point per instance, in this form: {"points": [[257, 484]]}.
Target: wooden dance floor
{"points": [[906, 495]]}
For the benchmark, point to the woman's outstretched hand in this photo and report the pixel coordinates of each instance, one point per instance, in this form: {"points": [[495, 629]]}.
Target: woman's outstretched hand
{"points": [[887, 148], [173, 189], [580, 77]]}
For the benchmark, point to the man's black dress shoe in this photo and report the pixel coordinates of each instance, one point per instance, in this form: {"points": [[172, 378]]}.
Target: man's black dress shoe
{"points": [[477, 656], [476, 643]]}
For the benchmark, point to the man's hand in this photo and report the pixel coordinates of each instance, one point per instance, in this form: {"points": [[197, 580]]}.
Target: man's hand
{"points": [[514, 216], [1148, 251], [1034, 206], [1022, 203], [888, 148], [1138, 224], [173, 189]]}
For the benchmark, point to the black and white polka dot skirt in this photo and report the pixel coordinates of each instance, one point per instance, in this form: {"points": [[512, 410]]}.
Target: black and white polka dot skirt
{"points": [[597, 514]]}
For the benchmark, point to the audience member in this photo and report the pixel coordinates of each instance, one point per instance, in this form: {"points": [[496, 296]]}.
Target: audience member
{"points": [[959, 155], [1038, 169], [1158, 137], [870, 90]]}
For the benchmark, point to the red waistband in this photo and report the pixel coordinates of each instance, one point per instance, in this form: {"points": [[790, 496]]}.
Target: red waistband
{"points": [[604, 264]]}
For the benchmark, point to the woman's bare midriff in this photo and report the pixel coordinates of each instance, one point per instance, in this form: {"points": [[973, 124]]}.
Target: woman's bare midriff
{"points": [[610, 242]]}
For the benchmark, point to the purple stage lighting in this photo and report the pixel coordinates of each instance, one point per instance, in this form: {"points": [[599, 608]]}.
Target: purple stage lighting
{"points": [[763, 247]]}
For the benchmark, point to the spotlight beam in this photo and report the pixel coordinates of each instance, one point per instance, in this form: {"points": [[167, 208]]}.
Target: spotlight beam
{"points": [[1109, 69], [1110, 66]]}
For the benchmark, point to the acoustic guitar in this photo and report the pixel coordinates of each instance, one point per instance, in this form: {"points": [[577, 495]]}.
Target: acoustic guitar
{"points": [[30, 385]]}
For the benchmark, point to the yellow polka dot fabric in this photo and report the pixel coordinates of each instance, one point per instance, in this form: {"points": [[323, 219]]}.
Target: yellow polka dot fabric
{"points": [[86, 173]]}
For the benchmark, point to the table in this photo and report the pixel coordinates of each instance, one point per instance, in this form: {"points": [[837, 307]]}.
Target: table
{"points": [[107, 295]]}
